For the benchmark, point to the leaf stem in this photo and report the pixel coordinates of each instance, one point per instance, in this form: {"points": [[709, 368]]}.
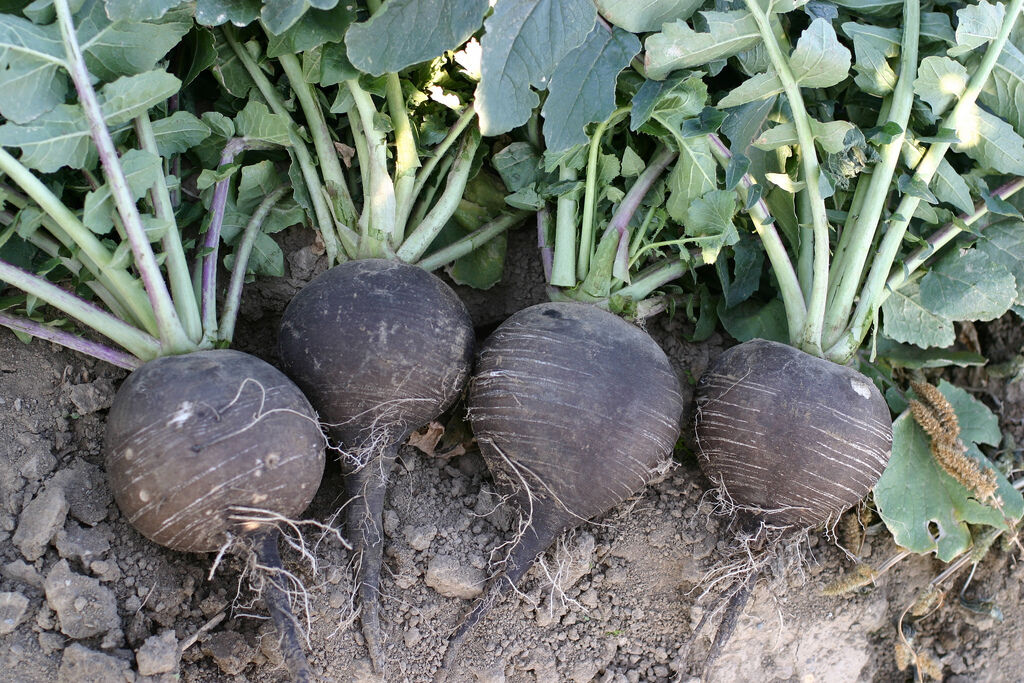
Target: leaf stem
{"points": [[432, 224], [586, 243], [377, 225], [233, 298], [473, 240], [764, 225], [177, 264], [872, 292], [846, 273], [330, 165], [810, 336], [172, 334], [467, 116], [70, 341], [131, 338], [563, 261], [323, 218], [407, 158]]}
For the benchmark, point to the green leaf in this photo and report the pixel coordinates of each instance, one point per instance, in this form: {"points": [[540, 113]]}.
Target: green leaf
{"points": [[129, 96], [977, 25], [678, 46], [126, 48], [819, 61], [1003, 243], [280, 15], [266, 257], [524, 41], [873, 8], [916, 358], [693, 175], [755, 320], [139, 10], [710, 223], [906, 319], [582, 89], [673, 101], [632, 164], [948, 185], [968, 286], [407, 32], [990, 141], [217, 12], [831, 135], [978, 424], [1003, 92], [255, 182], [915, 496], [641, 16], [257, 123], [940, 82], [315, 28], [518, 164], [178, 132], [874, 47], [142, 170], [483, 267], [30, 61]]}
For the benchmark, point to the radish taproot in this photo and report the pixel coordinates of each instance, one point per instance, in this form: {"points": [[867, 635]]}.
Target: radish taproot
{"points": [[205, 448], [575, 410], [381, 348]]}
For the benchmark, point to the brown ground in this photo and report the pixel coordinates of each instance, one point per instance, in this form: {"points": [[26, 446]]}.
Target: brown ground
{"points": [[94, 601]]}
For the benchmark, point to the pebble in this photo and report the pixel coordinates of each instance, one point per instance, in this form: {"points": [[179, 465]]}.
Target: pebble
{"points": [[451, 579], [80, 664], [158, 655], [12, 610], [92, 397], [420, 537], [40, 521], [82, 545], [19, 570], [230, 650], [84, 607]]}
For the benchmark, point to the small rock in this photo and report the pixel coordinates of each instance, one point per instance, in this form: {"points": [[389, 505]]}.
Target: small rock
{"points": [[82, 664], [493, 672], [19, 570], [391, 522], [84, 545], [50, 642], [39, 521], [84, 607], [106, 571], [449, 578], [12, 611], [158, 655], [230, 650], [87, 492], [270, 644], [92, 397], [412, 637], [420, 537]]}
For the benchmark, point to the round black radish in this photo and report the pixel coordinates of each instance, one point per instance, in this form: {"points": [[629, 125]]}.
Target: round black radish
{"points": [[381, 348], [190, 438], [213, 446], [575, 410], [793, 438]]}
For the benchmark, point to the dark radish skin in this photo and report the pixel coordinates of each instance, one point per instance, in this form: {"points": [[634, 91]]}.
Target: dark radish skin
{"points": [[381, 348], [194, 442], [575, 410], [792, 441], [794, 438]]}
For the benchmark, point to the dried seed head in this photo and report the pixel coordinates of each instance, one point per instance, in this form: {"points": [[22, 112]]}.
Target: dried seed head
{"points": [[860, 576]]}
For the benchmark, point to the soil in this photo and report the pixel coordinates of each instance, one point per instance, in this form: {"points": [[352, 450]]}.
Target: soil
{"points": [[83, 597]]}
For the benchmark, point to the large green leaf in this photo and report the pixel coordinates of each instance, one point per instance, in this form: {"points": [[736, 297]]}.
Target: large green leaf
{"points": [[977, 25], [141, 169], [524, 41], [831, 135], [755, 320], [990, 141], [280, 15], [1004, 90], [641, 16], [125, 48], [906, 319], [582, 88], [139, 10], [819, 61], [257, 123], [178, 132], [940, 82], [693, 175], [672, 101], [1003, 243], [60, 137], [874, 47], [948, 185], [678, 46], [217, 12], [31, 58], [710, 223], [407, 32], [313, 29], [873, 8], [924, 508], [968, 286]]}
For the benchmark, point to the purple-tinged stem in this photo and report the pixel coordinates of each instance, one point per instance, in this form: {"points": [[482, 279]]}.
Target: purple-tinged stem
{"points": [[71, 341], [547, 254], [944, 235], [233, 148], [635, 196]]}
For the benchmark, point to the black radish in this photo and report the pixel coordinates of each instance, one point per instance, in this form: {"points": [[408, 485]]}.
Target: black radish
{"points": [[211, 447], [381, 348], [791, 441], [575, 410], [792, 438]]}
